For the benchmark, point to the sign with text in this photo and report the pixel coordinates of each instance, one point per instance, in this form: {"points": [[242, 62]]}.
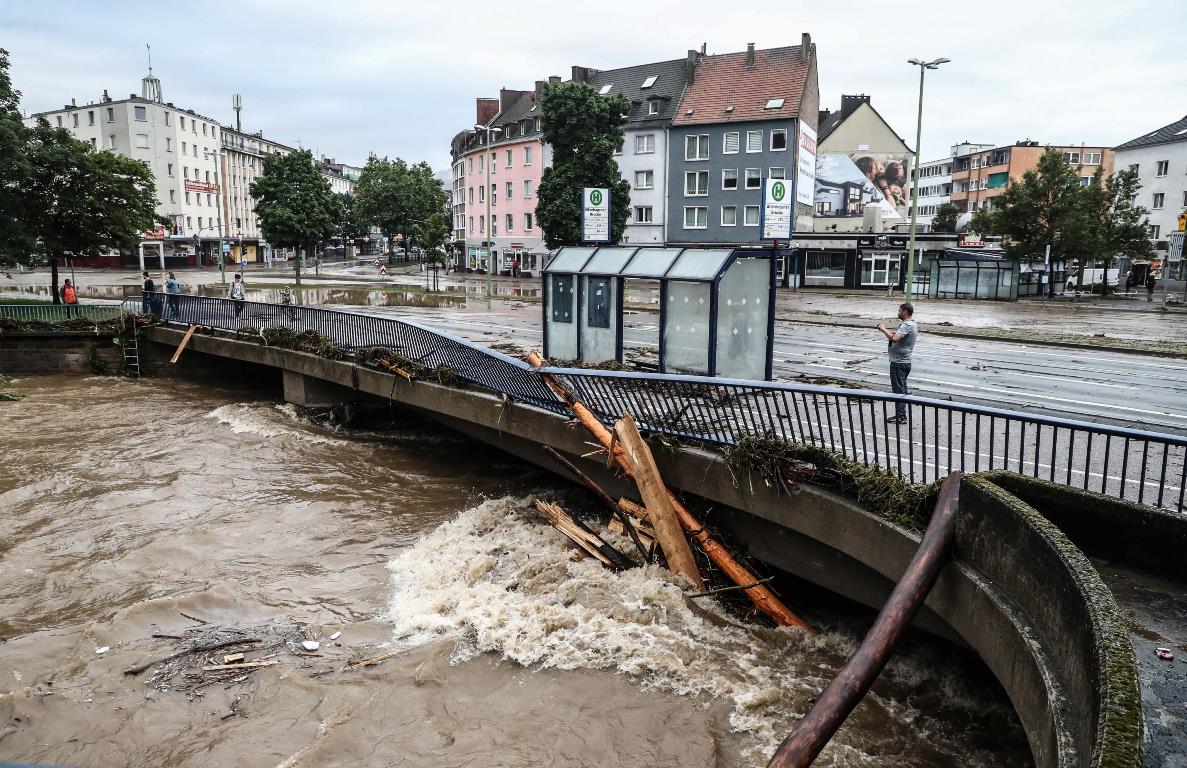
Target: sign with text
{"points": [[805, 183], [193, 185], [595, 215], [882, 242], [777, 212], [156, 233], [970, 241]]}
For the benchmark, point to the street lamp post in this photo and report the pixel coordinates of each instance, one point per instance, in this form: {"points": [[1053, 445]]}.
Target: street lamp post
{"points": [[490, 242], [222, 260], [923, 67]]}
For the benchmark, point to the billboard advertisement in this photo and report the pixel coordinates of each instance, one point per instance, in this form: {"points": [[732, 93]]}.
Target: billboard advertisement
{"points": [[805, 182], [846, 184]]}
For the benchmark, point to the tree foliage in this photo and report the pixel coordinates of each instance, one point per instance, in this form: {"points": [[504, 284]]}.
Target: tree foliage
{"points": [[431, 235], [1117, 227], [350, 228], [397, 197], [945, 218], [295, 204], [584, 129], [15, 245]]}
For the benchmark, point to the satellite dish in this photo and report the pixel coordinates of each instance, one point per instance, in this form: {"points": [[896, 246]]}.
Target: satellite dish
{"points": [[962, 222]]}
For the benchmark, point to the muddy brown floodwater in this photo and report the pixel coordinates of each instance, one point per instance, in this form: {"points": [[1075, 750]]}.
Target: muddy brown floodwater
{"points": [[126, 504]]}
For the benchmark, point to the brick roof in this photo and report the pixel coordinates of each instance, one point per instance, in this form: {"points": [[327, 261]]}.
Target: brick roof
{"points": [[724, 80]]}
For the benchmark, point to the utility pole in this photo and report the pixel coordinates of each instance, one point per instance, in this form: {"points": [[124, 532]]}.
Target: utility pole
{"points": [[923, 67], [490, 241], [222, 259]]}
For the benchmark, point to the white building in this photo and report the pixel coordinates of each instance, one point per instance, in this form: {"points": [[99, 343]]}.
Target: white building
{"points": [[1160, 158], [179, 146], [342, 177], [241, 163], [935, 181]]}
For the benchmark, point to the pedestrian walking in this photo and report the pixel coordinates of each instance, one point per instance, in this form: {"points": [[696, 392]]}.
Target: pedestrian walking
{"points": [[70, 299], [515, 267], [145, 297], [173, 295], [1150, 283], [236, 294], [899, 344]]}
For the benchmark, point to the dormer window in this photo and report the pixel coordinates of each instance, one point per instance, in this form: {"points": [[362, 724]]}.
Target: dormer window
{"points": [[606, 88], [774, 104], [653, 107], [650, 81]]}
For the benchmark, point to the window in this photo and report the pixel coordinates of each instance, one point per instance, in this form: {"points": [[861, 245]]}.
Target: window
{"points": [[696, 147], [480, 161], [730, 143], [168, 144], [753, 179], [167, 119], [653, 107], [643, 214], [650, 81], [776, 172], [187, 197], [729, 178], [189, 223], [74, 119], [1154, 231], [471, 195], [169, 169], [1085, 181], [880, 269], [618, 149], [470, 163], [1159, 200], [527, 155], [471, 223], [606, 89], [696, 217], [142, 140], [482, 194], [645, 144], [750, 216], [494, 162], [1092, 158], [509, 158], [754, 141], [1185, 199], [182, 125], [185, 171], [141, 113], [482, 224], [173, 195], [774, 104], [111, 114], [1134, 167], [1161, 167], [644, 179], [527, 222], [729, 215], [208, 202], [1072, 158], [527, 189], [203, 129], [494, 226], [59, 118], [510, 222], [494, 194], [696, 183], [91, 117], [778, 139], [207, 177], [111, 141], [94, 142], [183, 145], [510, 191]]}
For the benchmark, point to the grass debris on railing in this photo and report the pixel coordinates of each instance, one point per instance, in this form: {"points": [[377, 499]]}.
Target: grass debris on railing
{"points": [[9, 324], [781, 464], [299, 341], [394, 362]]}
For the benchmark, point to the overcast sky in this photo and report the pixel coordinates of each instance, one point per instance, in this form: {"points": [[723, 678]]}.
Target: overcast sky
{"points": [[399, 78]]}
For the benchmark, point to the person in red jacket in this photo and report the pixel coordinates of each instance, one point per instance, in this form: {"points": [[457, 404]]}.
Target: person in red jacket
{"points": [[70, 298]]}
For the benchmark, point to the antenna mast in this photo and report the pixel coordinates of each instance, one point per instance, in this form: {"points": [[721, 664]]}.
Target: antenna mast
{"points": [[237, 105]]}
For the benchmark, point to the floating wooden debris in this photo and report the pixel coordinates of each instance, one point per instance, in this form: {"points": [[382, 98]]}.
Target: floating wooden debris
{"points": [[241, 665], [580, 534]]}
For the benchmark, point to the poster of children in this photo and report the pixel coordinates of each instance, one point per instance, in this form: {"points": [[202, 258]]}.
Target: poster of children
{"points": [[846, 184]]}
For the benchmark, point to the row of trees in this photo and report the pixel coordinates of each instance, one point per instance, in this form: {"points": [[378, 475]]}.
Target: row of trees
{"points": [[1050, 207], [60, 197]]}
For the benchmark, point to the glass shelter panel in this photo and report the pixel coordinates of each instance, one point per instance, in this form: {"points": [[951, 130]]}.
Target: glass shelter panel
{"points": [[608, 261], [651, 262], [562, 307], [599, 325], [569, 259], [686, 328], [742, 319], [699, 264]]}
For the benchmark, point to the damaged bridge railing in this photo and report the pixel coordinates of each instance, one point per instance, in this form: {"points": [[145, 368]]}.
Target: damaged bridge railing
{"points": [[939, 435]]}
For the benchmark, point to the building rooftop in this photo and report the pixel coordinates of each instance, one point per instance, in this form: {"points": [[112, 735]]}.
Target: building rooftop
{"points": [[641, 84], [1167, 134], [746, 86]]}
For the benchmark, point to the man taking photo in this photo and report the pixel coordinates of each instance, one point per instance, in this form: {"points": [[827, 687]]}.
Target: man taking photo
{"points": [[900, 343]]}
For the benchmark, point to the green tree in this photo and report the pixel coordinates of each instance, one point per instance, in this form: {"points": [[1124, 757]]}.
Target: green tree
{"points": [[431, 235], [397, 197], [350, 228], [295, 204], [16, 247], [945, 218], [984, 222], [1118, 223], [1045, 208], [584, 130]]}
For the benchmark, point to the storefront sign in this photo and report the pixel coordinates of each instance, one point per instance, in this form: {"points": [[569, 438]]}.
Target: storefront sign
{"points": [[192, 185], [776, 210], [595, 215], [970, 241], [805, 183], [882, 242], [156, 233]]}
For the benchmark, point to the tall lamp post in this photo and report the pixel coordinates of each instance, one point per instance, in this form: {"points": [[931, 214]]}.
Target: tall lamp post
{"points": [[923, 67], [490, 242], [222, 260]]}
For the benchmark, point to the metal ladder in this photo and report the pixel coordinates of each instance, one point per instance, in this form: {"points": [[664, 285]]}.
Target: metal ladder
{"points": [[130, 343]]}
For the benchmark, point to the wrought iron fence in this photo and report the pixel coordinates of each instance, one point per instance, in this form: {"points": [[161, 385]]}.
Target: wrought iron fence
{"points": [[938, 435], [51, 313]]}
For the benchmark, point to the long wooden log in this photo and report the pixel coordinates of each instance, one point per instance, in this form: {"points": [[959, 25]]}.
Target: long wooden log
{"points": [[605, 498], [184, 340], [853, 681], [659, 506], [580, 534], [764, 599]]}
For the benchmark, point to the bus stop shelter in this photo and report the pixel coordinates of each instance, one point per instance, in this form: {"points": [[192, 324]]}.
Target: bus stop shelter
{"points": [[717, 306]]}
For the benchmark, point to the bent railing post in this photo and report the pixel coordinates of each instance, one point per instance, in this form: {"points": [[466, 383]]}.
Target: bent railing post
{"points": [[854, 679]]}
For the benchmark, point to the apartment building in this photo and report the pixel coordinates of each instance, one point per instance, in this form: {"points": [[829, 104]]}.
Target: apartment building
{"points": [[1160, 158], [179, 146], [241, 163], [737, 123], [979, 177], [935, 181]]}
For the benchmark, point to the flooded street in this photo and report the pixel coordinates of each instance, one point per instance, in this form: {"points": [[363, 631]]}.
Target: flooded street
{"points": [[134, 508]]}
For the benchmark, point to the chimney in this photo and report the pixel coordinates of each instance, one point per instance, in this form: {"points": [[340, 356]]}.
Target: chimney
{"points": [[850, 103], [805, 46], [72, 102], [554, 79], [822, 116], [539, 89], [487, 109], [508, 97], [690, 65], [704, 48], [749, 55]]}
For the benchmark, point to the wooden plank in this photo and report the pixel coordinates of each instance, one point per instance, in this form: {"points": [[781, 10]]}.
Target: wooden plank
{"points": [[185, 340], [660, 512], [245, 665]]}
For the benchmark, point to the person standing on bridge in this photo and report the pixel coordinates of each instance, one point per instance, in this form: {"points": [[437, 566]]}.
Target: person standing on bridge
{"points": [[900, 343], [173, 292], [145, 299], [235, 293]]}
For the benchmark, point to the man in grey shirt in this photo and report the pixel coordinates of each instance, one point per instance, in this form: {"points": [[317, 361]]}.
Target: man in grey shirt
{"points": [[900, 343]]}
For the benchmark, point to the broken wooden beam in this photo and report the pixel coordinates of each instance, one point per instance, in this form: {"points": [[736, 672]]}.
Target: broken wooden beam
{"points": [[604, 497], [580, 534], [184, 340]]}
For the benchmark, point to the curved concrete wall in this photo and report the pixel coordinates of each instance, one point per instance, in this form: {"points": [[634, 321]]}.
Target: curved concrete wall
{"points": [[1078, 710]]}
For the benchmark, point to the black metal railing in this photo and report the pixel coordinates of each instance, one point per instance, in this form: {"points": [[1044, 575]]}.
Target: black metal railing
{"points": [[939, 435]]}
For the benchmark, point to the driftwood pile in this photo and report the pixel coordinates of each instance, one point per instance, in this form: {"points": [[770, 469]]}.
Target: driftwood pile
{"points": [[661, 519]]}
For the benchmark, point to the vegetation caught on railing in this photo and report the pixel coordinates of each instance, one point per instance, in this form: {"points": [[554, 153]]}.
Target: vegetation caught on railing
{"points": [[300, 341], [393, 362], [781, 465], [10, 324]]}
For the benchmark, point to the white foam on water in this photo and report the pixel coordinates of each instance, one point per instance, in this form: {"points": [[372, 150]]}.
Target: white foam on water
{"points": [[500, 582], [261, 419]]}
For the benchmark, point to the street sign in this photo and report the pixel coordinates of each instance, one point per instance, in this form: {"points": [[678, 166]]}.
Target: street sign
{"points": [[595, 215], [226, 247], [777, 205], [806, 165]]}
